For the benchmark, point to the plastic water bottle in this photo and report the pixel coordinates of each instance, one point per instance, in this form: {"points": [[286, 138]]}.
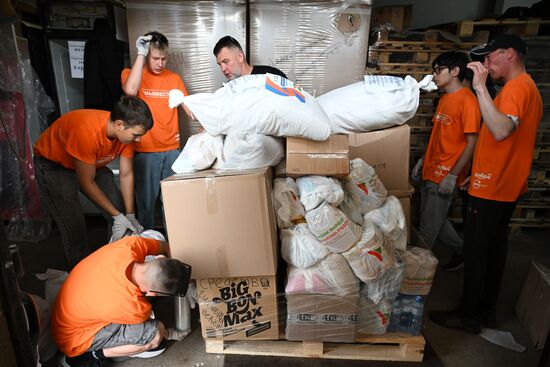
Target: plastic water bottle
{"points": [[395, 315], [406, 315], [417, 313]]}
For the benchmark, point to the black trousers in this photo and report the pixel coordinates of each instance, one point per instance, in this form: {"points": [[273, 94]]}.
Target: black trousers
{"points": [[485, 250]]}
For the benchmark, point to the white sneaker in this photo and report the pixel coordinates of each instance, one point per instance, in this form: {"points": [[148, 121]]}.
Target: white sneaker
{"points": [[151, 352]]}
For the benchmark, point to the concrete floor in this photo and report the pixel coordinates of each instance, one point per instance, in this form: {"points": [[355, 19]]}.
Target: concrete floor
{"points": [[444, 347]]}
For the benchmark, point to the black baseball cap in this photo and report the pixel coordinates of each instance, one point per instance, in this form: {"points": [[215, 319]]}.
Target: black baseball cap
{"points": [[502, 41]]}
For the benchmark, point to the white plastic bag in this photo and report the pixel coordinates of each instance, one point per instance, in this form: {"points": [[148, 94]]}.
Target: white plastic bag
{"points": [[386, 285], [250, 151], [288, 207], [313, 190], [333, 228], [378, 102], [200, 152], [263, 104], [420, 267], [330, 276], [373, 318], [300, 248], [390, 219]]}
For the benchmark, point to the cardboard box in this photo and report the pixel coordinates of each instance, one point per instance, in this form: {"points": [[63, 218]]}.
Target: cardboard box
{"points": [[533, 305], [399, 16], [321, 317], [323, 158], [238, 308], [387, 151], [404, 197], [222, 223]]}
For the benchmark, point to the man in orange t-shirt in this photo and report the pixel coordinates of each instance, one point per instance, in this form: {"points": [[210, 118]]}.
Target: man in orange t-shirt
{"points": [[102, 311], [449, 152], [501, 165], [156, 152], [71, 156]]}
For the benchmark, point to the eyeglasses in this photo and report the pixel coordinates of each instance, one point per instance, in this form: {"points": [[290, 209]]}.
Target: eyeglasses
{"points": [[439, 69]]}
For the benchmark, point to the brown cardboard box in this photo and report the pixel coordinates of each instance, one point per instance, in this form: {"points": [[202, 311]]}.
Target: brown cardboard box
{"points": [[238, 308], [399, 16], [533, 305], [222, 223], [321, 317], [387, 151], [323, 158], [404, 197]]}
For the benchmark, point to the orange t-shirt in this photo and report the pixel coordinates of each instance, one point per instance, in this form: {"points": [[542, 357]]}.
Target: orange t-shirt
{"points": [[80, 134], [99, 292], [457, 114], [500, 169], [154, 91]]}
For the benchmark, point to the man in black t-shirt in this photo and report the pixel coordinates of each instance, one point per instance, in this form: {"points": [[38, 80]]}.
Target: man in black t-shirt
{"points": [[232, 61]]}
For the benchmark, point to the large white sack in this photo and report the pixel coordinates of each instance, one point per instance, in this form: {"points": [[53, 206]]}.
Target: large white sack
{"points": [[263, 104], [387, 285], [378, 102], [333, 228], [200, 152], [330, 276], [250, 151], [373, 318], [300, 248], [288, 207], [363, 191], [420, 267], [313, 190], [390, 218], [370, 256]]}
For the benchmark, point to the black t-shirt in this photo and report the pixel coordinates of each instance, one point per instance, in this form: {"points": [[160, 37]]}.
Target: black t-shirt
{"points": [[262, 69]]}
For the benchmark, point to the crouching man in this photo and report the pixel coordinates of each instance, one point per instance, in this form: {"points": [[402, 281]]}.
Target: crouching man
{"points": [[102, 311]]}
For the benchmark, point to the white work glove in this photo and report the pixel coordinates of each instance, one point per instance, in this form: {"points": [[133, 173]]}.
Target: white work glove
{"points": [[447, 185], [142, 45], [175, 98], [416, 173], [132, 218], [175, 334], [120, 226], [191, 294]]}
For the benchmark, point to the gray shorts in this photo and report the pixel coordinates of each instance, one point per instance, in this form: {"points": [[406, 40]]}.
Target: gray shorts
{"points": [[115, 335]]}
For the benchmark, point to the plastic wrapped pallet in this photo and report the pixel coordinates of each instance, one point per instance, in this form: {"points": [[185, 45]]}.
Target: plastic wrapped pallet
{"points": [[288, 207], [420, 267], [373, 318], [387, 284], [300, 248]]}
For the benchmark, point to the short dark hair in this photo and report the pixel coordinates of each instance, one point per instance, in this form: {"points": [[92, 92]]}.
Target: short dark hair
{"points": [[132, 111], [173, 276], [228, 42], [454, 59], [158, 41]]}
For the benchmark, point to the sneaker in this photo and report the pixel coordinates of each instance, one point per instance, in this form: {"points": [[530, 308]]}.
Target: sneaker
{"points": [[151, 352], [84, 360], [456, 262], [454, 319], [489, 319]]}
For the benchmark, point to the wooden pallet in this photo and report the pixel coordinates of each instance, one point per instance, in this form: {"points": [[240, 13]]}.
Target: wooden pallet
{"points": [[400, 55], [529, 27], [386, 347]]}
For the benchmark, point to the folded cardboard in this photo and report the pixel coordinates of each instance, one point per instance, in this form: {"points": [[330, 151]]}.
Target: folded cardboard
{"points": [[387, 151], [242, 308], [404, 197], [323, 158], [321, 317], [222, 223], [533, 305]]}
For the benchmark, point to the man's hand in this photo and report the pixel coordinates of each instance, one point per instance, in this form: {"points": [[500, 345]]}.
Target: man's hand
{"points": [[120, 226], [142, 45], [447, 185], [481, 73], [132, 218], [464, 185], [416, 173], [175, 334]]}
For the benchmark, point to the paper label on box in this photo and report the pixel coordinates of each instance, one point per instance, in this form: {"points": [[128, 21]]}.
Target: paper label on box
{"points": [[322, 318]]}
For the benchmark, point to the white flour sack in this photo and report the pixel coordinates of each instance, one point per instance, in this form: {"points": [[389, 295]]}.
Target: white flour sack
{"points": [[200, 152], [313, 190], [333, 228], [386, 285], [420, 267], [263, 104], [390, 219], [288, 207], [250, 151], [299, 247], [370, 257], [331, 276], [373, 318], [378, 102]]}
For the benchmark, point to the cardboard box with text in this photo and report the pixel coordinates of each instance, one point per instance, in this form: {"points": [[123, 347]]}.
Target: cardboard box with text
{"points": [[323, 158]]}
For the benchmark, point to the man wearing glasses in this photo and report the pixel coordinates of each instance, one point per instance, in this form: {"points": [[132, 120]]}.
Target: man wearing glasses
{"points": [[501, 165], [102, 311]]}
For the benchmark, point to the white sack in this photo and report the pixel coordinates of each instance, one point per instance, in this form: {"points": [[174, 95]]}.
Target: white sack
{"points": [[330, 276], [378, 102], [390, 219], [300, 248], [373, 318], [387, 285], [420, 267], [288, 207], [263, 104], [313, 190], [250, 151], [331, 226], [370, 256], [200, 152]]}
